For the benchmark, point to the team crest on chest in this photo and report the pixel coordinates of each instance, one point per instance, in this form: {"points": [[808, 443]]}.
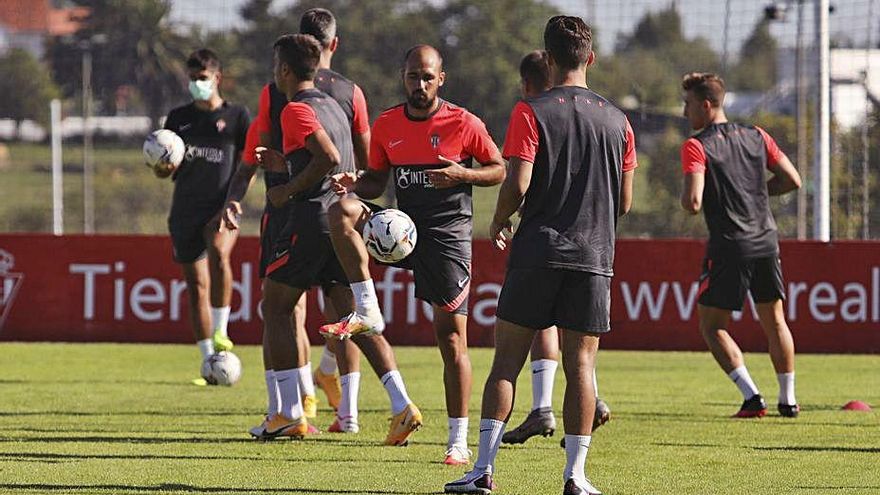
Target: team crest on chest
{"points": [[221, 124], [435, 141]]}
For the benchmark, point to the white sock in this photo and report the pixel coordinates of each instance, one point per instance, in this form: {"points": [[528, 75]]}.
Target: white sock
{"points": [[328, 362], [306, 382], [274, 403], [491, 431], [543, 374], [786, 388], [206, 347], [393, 383], [220, 318], [458, 431], [576, 448], [288, 386], [595, 384], [743, 380], [351, 384], [364, 295]]}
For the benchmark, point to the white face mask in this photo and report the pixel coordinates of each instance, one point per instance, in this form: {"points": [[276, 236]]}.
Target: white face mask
{"points": [[201, 89]]}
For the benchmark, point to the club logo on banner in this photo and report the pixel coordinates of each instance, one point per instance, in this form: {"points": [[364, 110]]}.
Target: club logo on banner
{"points": [[9, 284]]}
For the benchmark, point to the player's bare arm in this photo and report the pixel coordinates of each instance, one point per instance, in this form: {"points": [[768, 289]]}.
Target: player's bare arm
{"points": [[238, 187], [510, 197], [368, 184], [692, 192], [489, 174], [361, 144], [325, 157], [785, 177], [626, 193]]}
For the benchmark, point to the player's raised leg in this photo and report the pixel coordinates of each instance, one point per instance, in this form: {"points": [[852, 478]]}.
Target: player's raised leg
{"points": [[347, 218], [220, 241], [781, 347], [451, 332], [713, 326]]}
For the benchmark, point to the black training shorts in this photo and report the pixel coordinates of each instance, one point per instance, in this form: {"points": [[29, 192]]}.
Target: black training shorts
{"points": [[303, 257], [725, 281], [538, 298]]}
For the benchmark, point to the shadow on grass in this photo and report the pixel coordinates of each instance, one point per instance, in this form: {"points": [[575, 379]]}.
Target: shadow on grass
{"points": [[58, 458], [166, 487]]}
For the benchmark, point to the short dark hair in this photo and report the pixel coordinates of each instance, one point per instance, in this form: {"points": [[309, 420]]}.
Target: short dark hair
{"points": [[301, 52], [535, 70], [203, 59], [706, 86], [320, 23], [569, 40]]}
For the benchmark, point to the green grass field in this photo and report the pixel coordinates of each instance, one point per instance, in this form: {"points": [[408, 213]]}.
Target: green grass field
{"points": [[122, 419]]}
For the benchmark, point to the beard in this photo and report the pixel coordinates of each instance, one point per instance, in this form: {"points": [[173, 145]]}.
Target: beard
{"points": [[420, 100]]}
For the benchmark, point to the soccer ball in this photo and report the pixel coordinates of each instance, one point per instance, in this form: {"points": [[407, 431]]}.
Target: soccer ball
{"points": [[163, 146], [221, 368], [390, 235]]}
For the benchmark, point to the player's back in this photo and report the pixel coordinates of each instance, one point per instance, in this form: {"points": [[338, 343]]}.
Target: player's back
{"points": [[736, 203], [571, 207]]}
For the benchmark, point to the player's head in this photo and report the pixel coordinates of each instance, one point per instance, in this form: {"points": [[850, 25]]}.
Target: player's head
{"points": [[534, 73], [569, 43], [296, 59], [320, 23], [703, 97], [204, 71], [422, 76]]}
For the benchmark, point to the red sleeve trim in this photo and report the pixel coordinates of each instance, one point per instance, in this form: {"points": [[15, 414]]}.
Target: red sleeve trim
{"points": [[298, 122], [774, 154], [477, 141], [693, 157], [521, 140], [360, 123], [630, 160], [378, 159]]}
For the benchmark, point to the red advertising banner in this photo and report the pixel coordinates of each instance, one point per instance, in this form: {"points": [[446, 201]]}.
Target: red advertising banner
{"points": [[127, 289]]}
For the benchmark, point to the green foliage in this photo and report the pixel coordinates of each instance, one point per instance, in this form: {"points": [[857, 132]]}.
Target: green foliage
{"points": [[26, 88], [123, 420], [756, 70]]}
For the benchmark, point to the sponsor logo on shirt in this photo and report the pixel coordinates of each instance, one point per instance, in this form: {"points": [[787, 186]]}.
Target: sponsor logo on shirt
{"points": [[406, 177], [210, 155]]}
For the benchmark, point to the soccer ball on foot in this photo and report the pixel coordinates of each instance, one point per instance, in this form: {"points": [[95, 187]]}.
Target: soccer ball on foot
{"points": [[221, 368], [163, 147], [390, 235]]}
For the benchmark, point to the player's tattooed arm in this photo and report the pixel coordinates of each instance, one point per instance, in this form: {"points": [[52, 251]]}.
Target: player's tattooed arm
{"points": [[510, 197], [325, 157], [489, 174]]}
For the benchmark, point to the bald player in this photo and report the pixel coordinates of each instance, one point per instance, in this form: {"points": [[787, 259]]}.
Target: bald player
{"points": [[429, 145]]}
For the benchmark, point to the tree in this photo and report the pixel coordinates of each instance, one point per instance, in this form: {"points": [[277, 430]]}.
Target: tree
{"points": [[756, 70], [142, 49], [26, 88]]}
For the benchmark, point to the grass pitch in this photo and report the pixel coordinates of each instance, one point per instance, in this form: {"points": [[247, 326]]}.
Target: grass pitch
{"points": [[122, 419]]}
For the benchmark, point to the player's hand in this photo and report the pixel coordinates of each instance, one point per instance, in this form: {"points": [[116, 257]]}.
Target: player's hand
{"points": [[231, 215], [451, 175], [270, 159], [278, 195], [163, 169], [496, 233], [343, 183]]}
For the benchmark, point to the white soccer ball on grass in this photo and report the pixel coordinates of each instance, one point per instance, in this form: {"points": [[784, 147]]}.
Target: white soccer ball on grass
{"points": [[221, 368]]}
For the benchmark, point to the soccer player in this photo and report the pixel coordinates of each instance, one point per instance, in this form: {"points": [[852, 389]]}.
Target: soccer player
{"points": [[214, 132], [321, 24], [428, 144], [317, 144], [572, 157], [534, 74], [725, 167]]}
